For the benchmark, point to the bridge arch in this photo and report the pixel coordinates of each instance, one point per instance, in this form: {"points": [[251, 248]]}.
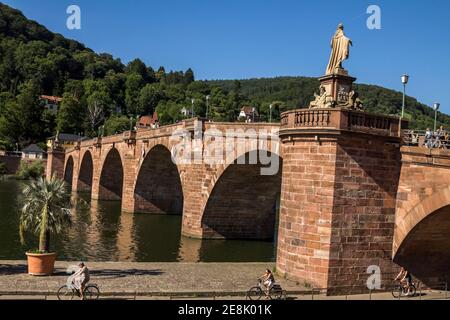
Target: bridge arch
{"points": [[158, 188], [242, 203], [422, 235], [86, 173], [68, 171], [111, 177]]}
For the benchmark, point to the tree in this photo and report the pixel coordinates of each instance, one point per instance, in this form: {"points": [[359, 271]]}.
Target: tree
{"points": [[160, 74], [70, 115], [189, 76], [116, 124], [169, 112], [138, 67], [46, 210], [133, 86], [21, 121], [95, 111], [149, 98]]}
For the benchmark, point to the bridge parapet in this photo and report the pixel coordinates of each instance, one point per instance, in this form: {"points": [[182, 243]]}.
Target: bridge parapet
{"points": [[337, 119], [426, 156]]}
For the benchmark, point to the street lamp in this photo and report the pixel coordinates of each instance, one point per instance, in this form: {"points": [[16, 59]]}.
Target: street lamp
{"points": [[405, 79], [192, 108], [270, 113], [207, 104], [436, 108]]}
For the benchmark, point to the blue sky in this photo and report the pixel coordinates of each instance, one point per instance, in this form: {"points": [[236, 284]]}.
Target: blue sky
{"points": [[228, 39]]}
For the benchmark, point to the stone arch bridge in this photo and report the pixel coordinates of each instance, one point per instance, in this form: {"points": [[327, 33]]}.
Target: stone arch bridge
{"points": [[350, 196]]}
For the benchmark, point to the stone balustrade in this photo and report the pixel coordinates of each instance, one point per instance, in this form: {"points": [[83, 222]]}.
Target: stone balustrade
{"points": [[337, 119]]}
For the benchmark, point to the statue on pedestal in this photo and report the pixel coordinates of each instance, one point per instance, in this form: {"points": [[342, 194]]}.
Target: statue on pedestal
{"points": [[340, 50], [336, 86]]}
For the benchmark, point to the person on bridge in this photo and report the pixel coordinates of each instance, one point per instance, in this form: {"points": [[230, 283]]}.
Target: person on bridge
{"points": [[428, 138]]}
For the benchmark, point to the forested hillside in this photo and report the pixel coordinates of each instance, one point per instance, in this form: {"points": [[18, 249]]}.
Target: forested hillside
{"points": [[100, 93]]}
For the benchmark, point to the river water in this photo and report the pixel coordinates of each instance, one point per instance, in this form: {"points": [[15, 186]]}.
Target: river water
{"points": [[101, 232]]}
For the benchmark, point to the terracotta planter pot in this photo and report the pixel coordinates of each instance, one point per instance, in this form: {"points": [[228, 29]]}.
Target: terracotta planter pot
{"points": [[41, 264]]}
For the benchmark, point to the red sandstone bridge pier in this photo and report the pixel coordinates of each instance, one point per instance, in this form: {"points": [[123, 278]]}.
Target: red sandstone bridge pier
{"points": [[350, 195]]}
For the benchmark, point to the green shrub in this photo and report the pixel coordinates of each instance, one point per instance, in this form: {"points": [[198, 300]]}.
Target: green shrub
{"points": [[30, 170]]}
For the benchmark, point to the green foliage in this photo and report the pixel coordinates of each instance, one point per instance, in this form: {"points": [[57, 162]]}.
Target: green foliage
{"points": [[169, 112], [46, 210], [117, 124], [71, 115], [149, 97], [30, 170]]}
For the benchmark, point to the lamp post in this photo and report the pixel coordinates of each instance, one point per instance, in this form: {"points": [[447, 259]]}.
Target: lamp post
{"points": [[192, 107], [207, 105], [436, 108], [405, 79], [270, 113]]}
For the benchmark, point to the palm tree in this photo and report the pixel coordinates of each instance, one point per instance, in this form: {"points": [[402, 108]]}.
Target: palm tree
{"points": [[46, 210]]}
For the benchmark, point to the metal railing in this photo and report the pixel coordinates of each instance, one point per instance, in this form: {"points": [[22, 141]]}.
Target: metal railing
{"points": [[417, 138]]}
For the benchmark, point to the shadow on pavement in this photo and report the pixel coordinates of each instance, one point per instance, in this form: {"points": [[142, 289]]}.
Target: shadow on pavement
{"points": [[116, 273], [10, 269]]}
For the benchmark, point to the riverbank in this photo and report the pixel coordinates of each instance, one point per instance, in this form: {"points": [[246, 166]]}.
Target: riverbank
{"points": [[145, 278]]}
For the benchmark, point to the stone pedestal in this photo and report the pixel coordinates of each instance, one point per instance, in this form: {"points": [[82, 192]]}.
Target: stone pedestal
{"points": [[338, 86]]}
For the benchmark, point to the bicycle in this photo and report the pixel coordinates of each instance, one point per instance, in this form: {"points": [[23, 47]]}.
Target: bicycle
{"points": [[258, 291], [401, 290], [90, 292]]}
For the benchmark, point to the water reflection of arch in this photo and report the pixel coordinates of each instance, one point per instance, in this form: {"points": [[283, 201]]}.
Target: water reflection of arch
{"points": [[156, 237], [243, 202]]}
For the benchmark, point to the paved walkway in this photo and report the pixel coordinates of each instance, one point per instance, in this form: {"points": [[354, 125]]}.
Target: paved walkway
{"points": [[142, 278]]}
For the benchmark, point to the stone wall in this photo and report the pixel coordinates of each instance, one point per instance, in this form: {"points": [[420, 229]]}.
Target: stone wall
{"points": [[306, 210], [363, 219]]}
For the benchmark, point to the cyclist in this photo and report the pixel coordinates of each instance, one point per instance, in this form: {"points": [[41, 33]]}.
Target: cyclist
{"points": [[80, 278], [405, 278], [268, 281]]}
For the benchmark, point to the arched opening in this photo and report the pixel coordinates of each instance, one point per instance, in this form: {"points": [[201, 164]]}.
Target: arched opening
{"points": [[86, 173], [158, 185], [243, 203], [68, 173], [426, 249], [111, 178]]}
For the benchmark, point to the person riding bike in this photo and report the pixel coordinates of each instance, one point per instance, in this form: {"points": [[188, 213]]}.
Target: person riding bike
{"points": [[268, 281], [80, 279], [405, 278]]}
